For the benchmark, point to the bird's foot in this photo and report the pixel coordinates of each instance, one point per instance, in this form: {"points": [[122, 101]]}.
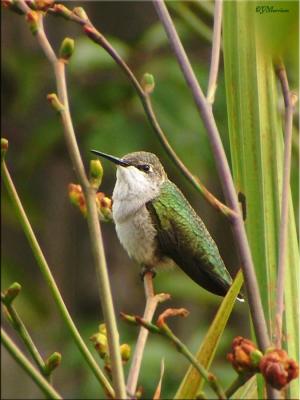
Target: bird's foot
{"points": [[145, 270]]}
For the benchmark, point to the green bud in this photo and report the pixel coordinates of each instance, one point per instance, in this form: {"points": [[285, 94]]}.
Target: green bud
{"points": [[125, 351], [100, 342], [148, 83], [4, 147], [79, 12], [66, 49], [52, 362], [96, 173], [255, 357], [11, 293], [56, 104]]}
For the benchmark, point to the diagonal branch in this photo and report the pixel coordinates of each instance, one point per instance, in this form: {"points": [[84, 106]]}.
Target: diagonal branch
{"points": [[289, 102]]}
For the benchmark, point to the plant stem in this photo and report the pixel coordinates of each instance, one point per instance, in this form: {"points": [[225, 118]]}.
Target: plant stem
{"points": [[19, 326], [225, 176], [215, 52], [92, 215], [289, 102], [42, 383], [152, 302], [42, 263], [98, 38]]}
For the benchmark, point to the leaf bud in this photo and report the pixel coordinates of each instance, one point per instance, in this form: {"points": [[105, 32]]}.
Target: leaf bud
{"points": [[11, 293], [52, 362], [55, 103], [148, 83], [125, 351], [66, 49], [96, 173]]}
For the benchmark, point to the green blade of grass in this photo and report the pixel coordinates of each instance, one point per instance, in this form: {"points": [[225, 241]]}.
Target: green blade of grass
{"points": [[256, 144], [192, 381]]}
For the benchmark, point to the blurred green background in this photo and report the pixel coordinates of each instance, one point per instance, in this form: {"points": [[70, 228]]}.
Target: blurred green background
{"points": [[107, 116]]}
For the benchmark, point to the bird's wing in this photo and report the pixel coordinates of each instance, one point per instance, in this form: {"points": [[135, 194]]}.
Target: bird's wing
{"points": [[183, 237]]}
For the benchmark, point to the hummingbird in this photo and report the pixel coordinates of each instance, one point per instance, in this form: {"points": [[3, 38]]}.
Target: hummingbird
{"points": [[157, 226]]}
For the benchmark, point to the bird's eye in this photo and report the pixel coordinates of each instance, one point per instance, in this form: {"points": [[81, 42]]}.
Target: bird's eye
{"points": [[145, 167]]}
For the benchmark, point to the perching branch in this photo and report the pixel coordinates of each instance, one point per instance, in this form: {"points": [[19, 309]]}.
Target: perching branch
{"points": [[238, 228], [46, 272], [289, 102], [152, 302], [58, 65], [42, 383], [145, 98], [163, 329]]}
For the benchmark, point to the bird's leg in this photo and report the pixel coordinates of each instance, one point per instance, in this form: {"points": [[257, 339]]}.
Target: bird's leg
{"points": [[145, 270]]}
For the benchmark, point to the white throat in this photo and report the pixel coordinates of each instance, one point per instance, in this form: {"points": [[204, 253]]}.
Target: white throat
{"points": [[132, 191]]}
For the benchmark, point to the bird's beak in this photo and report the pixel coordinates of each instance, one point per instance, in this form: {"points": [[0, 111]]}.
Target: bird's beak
{"points": [[115, 160]]}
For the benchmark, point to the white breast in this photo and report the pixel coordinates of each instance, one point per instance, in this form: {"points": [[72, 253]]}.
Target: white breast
{"points": [[138, 237], [133, 223]]}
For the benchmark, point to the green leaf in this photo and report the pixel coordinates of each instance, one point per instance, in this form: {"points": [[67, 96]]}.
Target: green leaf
{"points": [[192, 382], [256, 141]]}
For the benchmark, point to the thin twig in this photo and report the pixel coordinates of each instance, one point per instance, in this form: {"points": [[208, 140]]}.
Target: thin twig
{"points": [[238, 228], [92, 215], [215, 52], [152, 302], [42, 263], [42, 383], [145, 98], [19, 326], [289, 101]]}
